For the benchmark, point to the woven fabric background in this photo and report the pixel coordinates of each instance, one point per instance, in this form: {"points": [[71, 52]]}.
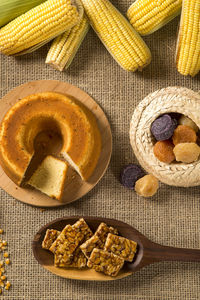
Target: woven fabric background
{"points": [[172, 217]]}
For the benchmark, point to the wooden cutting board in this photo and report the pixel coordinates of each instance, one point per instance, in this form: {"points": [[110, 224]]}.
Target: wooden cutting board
{"points": [[75, 188]]}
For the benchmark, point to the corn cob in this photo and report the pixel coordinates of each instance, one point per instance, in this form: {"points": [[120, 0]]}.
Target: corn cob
{"points": [[119, 37], [65, 46], [147, 16], [188, 45], [38, 26], [11, 9]]}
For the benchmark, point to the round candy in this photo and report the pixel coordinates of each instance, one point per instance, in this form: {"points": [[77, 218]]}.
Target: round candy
{"points": [[147, 186], [187, 152], [163, 150], [130, 174], [163, 127], [184, 134]]}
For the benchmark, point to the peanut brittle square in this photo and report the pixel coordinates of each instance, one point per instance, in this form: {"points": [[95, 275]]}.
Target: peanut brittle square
{"points": [[98, 239], [79, 260], [50, 237], [106, 262], [121, 246], [68, 241]]}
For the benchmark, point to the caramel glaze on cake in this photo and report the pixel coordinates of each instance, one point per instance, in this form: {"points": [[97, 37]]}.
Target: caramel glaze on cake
{"points": [[49, 111]]}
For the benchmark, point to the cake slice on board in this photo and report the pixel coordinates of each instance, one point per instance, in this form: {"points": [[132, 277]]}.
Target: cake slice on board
{"points": [[49, 177]]}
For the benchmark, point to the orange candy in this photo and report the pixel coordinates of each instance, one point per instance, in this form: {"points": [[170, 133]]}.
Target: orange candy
{"points": [[163, 150], [184, 134]]}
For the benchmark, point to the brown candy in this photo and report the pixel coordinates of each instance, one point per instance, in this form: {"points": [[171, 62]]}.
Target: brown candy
{"points": [[184, 134], [163, 150], [147, 186], [187, 152]]}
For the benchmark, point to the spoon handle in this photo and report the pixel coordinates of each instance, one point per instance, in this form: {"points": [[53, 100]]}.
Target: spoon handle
{"points": [[164, 253]]}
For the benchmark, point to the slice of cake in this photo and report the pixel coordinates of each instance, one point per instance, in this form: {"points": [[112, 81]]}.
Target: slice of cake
{"points": [[49, 178]]}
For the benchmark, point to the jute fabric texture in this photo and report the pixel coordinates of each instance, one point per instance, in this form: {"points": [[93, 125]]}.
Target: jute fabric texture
{"points": [[172, 217]]}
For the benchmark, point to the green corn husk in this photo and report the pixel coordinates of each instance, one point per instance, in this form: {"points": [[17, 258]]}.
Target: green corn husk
{"points": [[11, 9]]}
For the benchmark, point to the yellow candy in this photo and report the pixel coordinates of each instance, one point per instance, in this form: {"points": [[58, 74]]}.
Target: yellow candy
{"points": [[187, 152], [147, 186]]}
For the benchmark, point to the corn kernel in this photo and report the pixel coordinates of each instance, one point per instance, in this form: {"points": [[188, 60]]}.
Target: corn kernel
{"points": [[7, 261], [1, 231], [6, 254], [3, 277], [8, 284], [5, 243]]}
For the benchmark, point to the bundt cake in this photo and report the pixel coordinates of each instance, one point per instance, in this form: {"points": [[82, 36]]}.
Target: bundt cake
{"points": [[49, 177], [49, 111]]}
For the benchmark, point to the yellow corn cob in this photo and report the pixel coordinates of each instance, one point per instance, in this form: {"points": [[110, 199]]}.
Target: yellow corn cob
{"points": [[188, 45], [119, 37], [65, 46], [39, 25], [147, 16]]}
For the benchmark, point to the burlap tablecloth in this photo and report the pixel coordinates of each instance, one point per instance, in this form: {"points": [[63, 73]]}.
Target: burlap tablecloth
{"points": [[172, 217]]}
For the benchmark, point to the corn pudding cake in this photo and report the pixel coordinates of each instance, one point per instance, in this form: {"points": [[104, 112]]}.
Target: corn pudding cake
{"points": [[48, 111], [49, 177]]}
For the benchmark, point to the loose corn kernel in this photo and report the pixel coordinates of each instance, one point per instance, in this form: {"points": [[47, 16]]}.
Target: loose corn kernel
{"points": [[2, 270], [8, 284], [1, 263], [1, 283], [0, 291], [1, 231], [5, 243], [6, 254], [3, 277], [7, 261]]}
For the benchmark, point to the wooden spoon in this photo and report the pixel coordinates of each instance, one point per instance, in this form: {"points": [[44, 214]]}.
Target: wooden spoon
{"points": [[148, 252]]}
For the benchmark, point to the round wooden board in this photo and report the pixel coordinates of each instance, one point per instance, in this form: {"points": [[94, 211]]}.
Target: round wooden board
{"points": [[75, 188]]}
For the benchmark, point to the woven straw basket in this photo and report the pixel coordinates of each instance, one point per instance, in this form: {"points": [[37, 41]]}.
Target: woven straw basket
{"points": [[167, 100]]}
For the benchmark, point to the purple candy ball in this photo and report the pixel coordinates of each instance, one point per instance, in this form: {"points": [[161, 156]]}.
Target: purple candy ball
{"points": [[163, 127], [130, 174]]}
